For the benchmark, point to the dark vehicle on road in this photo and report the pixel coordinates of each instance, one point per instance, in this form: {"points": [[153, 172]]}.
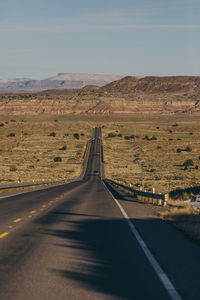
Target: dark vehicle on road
{"points": [[96, 173]]}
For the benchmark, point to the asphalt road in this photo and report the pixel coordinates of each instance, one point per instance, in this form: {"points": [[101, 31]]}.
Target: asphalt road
{"points": [[73, 242]]}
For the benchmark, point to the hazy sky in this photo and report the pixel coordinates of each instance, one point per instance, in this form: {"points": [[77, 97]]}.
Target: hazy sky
{"points": [[39, 38]]}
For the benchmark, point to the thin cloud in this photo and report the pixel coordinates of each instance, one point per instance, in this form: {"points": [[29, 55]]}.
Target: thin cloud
{"points": [[100, 22], [96, 28]]}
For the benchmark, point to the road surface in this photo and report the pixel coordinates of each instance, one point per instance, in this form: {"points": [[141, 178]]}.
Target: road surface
{"points": [[73, 242]]}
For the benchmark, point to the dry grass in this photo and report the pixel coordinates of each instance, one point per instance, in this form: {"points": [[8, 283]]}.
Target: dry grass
{"points": [[29, 155], [31, 151], [154, 160], [184, 217]]}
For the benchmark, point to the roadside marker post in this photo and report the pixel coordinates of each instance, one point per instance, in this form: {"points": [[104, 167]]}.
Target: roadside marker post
{"points": [[166, 199]]}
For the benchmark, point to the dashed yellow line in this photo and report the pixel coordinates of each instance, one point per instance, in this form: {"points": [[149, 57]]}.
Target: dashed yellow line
{"points": [[10, 227], [33, 212], [44, 206], [3, 235], [17, 220]]}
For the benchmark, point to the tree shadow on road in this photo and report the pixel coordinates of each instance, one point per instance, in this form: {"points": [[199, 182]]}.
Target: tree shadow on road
{"points": [[105, 258]]}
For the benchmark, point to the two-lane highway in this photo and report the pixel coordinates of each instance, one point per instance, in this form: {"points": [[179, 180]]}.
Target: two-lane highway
{"points": [[80, 246]]}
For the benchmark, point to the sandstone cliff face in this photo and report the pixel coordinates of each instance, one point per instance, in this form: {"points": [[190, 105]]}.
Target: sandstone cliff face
{"points": [[127, 96]]}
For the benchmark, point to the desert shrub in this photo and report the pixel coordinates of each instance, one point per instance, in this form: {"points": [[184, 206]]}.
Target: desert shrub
{"points": [[170, 131], [170, 139], [190, 133], [126, 137], [158, 127], [82, 134], [52, 134], [196, 167], [152, 170], [146, 138], [12, 120], [13, 169], [110, 135], [178, 150], [175, 125], [188, 149], [56, 120], [188, 162], [63, 148], [129, 137], [11, 134], [66, 134], [57, 159], [1, 124], [153, 138], [159, 147], [178, 139], [25, 133], [76, 136], [119, 135]]}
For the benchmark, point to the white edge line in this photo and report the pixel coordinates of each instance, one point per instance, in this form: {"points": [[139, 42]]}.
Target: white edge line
{"points": [[159, 271]]}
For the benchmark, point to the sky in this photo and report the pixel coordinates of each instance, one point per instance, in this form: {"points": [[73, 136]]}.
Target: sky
{"points": [[40, 38]]}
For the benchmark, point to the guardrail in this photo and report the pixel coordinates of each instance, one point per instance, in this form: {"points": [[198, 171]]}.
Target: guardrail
{"points": [[157, 199]]}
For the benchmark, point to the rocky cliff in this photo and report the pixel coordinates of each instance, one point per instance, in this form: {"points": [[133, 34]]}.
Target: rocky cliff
{"points": [[126, 96]]}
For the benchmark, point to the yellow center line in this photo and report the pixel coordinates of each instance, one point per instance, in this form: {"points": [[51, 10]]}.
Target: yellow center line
{"points": [[43, 205], [10, 227], [30, 216], [33, 212], [3, 235], [17, 220]]}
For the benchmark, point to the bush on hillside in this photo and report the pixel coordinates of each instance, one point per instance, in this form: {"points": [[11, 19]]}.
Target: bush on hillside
{"points": [[52, 134], [11, 134], [63, 148], [188, 163], [57, 159], [76, 136], [111, 135]]}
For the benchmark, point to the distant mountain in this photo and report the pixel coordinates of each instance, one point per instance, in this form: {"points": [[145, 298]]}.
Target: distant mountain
{"points": [[129, 95], [61, 81]]}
